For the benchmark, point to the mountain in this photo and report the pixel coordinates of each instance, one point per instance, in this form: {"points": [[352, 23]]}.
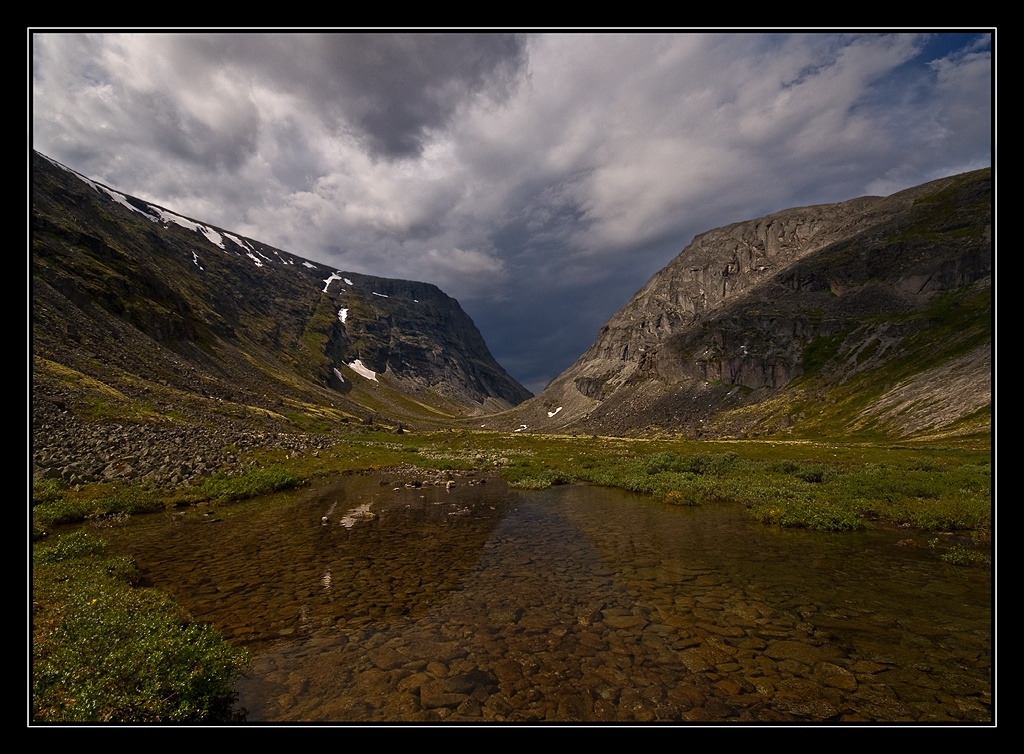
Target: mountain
{"points": [[142, 315], [870, 316]]}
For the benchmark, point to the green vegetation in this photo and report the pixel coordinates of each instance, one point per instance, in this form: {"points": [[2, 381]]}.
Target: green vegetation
{"points": [[811, 484], [817, 485], [53, 504], [315, 335], [963, 555], [105, 650], [873, 359], [946, 213], [820, 351], [97, 400]]}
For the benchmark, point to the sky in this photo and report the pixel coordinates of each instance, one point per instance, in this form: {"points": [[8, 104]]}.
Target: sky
{"points": [[539, 178]]}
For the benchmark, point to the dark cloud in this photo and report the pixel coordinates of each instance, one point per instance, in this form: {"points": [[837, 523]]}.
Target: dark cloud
{"points": [[540, 179], [224, 146], [397, 88], [391, 90]]}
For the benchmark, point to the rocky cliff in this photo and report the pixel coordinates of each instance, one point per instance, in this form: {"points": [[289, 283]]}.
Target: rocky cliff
{"points": [[141, 314], [843, 313]]}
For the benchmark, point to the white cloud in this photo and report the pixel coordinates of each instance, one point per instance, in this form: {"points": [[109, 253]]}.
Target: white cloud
{"points": [[577, 158]]}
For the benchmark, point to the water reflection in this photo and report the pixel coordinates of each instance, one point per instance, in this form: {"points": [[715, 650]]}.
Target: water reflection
{"points": [[574, 604]]}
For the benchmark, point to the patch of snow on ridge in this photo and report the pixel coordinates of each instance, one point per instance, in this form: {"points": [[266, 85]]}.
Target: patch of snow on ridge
{"points": [[158, 215], [256, 260], [358, 367], [309, 265], [348, 282], [169, 217], [117, 197], [342, 314], [239, 242], [552, 413], [334, 276], [382, 295], [214, 236], [338, 374], [195, 260], [122, 200]]}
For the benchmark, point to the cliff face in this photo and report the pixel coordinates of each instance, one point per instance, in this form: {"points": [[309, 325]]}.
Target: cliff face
{"points": [[171, 313], [748, 313], [419, 337]]}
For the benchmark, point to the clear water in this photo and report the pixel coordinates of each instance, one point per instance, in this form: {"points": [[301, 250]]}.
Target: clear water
{"points": [[572, 604]]}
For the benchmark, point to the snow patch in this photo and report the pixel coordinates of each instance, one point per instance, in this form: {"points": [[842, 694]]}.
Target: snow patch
{"points": [[342, 314], [122, 200], [169, 217], [358, 367], [238, 241], [382, 295], [348, 282], [114, 195], [214, 237], [309, 265], [520, 429], [162, 216], [334, 276], [337, 373]]}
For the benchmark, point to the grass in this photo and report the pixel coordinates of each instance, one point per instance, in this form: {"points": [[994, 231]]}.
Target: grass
{"points": [[964, 556], [53, 504], [817, 485], [97, 400], [105, 650]]}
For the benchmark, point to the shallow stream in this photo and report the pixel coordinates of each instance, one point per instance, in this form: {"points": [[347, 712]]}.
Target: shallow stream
{"points": [[574, 604]]}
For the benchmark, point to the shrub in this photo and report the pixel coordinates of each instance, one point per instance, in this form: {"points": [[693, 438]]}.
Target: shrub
{"points": [[46, 491], [965, 556], [254, 482], [702, 463], [54, 506], [807, 514], [784, 467], [685, 496], [106, 651]]}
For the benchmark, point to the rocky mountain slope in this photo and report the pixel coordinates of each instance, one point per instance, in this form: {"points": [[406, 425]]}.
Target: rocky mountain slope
{"points": [[871, 316], [152, 332], [145, 317]]}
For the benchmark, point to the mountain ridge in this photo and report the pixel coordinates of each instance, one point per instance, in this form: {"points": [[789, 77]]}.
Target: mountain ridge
{"points": [[870, 317], [127, 292], [737, 319]]}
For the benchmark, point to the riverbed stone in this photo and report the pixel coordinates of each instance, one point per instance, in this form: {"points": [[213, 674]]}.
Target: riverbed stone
{"points": [[832, 675], [435, 693], [393, 640]]}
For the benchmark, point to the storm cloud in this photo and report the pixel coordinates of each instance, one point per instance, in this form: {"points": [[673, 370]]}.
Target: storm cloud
{"points": [[539, 178]]}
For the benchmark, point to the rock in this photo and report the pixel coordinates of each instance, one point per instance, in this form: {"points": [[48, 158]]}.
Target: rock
{"points": [[731, 321]]}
